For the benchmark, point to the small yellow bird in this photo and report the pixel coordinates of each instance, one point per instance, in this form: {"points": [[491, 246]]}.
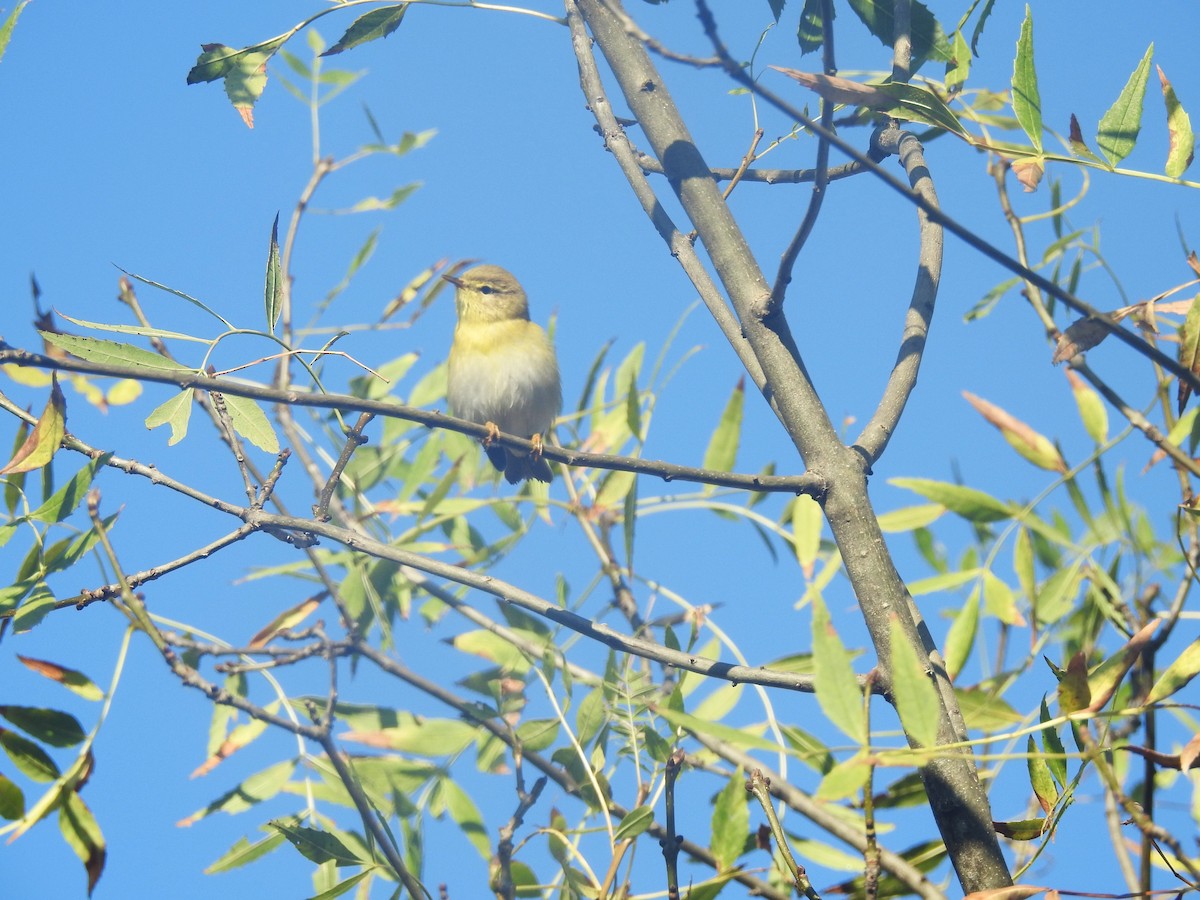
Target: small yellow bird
{"points": [[502, 371]]}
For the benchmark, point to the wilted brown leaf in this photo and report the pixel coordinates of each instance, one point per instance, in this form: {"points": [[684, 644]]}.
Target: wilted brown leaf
{"points": [[1081, 336], [1029, 172], [840, 90]]}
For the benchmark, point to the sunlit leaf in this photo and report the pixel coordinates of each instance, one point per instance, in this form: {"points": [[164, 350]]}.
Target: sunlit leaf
{"points": [[251, 422], [71, 679], [1181, 140], [1189, 350], [1026, 100], [730, 821], [176, 412], [43, 442], [378, 23], [318, 846], [971, 504], [82, 834], [273, 291], [1119, 126], [1185, 667], [1030, 444], [917, 702], [838, 693]]}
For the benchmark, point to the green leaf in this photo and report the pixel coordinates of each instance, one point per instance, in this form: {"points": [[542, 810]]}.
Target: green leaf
{"points": [[378, 23], [776, 8], [1000, 601], [909, 517], [50, 726], [318, 846], [112, 353], [12, 800], [811, 33], [973, 505], [1177, 675], [920, 104], [960, 639], [176, 412], [82, 834], [958, 68], [1092, 411], [1040, 778], [1026, 101], [1055, 752], [721, 455], [1181, 140], [737, 736], [66, 499], [40, 445], [845, 779], [30, 759], [808, 521], [916, 698], [251, 422], [838, 693], [637, 822], [466, 816], [590, 716], [139, 330], [273, 293], [1119, 126], [260, 786], [928, 39], [730, 821], [6, 30], [34, 608]]}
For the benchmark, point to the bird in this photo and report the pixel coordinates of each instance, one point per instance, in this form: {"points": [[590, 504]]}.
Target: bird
{"points": [[503, 371]]}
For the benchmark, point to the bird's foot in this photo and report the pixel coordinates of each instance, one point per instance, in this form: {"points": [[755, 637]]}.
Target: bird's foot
{"points": [[493, 432], [536, 440]]}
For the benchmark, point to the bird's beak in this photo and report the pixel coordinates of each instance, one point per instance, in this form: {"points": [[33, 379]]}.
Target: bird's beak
{"points": [[454, 280]]}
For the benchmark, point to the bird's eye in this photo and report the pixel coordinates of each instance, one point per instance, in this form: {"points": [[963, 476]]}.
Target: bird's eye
{"points": [[487, 289]]}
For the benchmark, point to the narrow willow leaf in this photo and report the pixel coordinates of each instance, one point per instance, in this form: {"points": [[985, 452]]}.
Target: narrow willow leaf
{"points": [[112, 353], [465, 814], [916, 698], [243, 852], [260, 786], [1177, 675], [1026, 100], [1055, 751], [1119, 126], [273, 290], [741, 737], [1000, 600], [1030, 444], [909, 517], [971, 504], [1181, 140], [721, 455], [1040, 778], [139, 330], [42, 443], [1103, 681], [960, 639], [6, 30], [1189, 350], [730, 821], [378, 23], [1023, 564], [807, 524], [983, 17], [176, 412], [838, 693], [1073, 691], [251, 423], [1092, 411]]}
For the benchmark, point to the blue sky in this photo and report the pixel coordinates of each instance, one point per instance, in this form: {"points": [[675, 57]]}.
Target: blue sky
{"points": [[112, 160]]}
